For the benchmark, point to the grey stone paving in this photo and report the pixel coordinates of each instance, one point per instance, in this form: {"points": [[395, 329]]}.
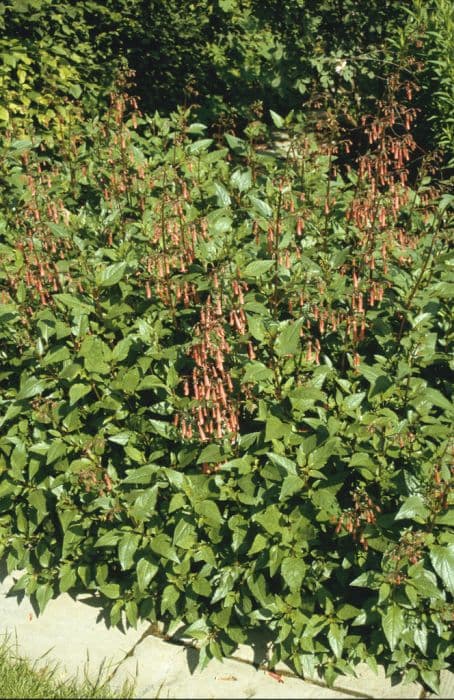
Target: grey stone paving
{"points": [[74, 634]]}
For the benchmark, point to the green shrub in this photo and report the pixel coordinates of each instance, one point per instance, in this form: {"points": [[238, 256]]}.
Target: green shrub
{"points": [[224, 385]]}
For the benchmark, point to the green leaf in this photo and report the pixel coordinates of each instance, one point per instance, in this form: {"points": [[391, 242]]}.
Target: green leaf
{"points": [[43, 594], [242, 180], [108, 539], [269, 519], [236, 144], [259, 544], [257, 268], [336, 637], [288, 340], [278, 121], [198, 630], [442, 559], [292, 484], [68, 579], [57, 449], [111, 274], [347, 612], [110, 590], [261, 207], [437, 399], [432, 678], [276, 429], [222, 195], [59, 354], [420, 637], [199, 146], [209, 511], [283, 462], [77, 391], [393, 625], [145, 571], [30, 387], [293, 570], [413, 508], [127, 547], [162, 545], [19, 457], [96, 355], [170, 596]]}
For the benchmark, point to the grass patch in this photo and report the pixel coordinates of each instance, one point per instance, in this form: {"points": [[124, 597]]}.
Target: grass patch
{"points": [[23, 678]]}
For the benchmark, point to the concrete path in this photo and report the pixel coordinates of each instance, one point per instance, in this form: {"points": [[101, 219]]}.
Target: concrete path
{"points": [[73, 634]]}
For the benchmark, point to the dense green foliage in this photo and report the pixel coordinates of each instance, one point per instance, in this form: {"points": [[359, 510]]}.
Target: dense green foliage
{"points": [[225, 364]]}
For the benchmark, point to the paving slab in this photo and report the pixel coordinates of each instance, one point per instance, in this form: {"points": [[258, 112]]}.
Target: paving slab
{"points": [[69, 631], [165, 670], [372, 685], [446, 687]]}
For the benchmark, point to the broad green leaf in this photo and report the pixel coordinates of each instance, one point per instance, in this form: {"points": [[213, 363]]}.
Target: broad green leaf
{"points": [[288, 340], [286, 464], [292, 484], [258, 268], [77, 391], [222, 195], [145, 571], [336, 637], [110, 590], [43, 594], [127, 547], [293, 570], [259, 544], [276, 429], [199, 146], [55, 355], [393, 625], [162, 545], [210, 512], [413, 508], [111, 274], [235, 143], [242, 180], [30, 387], [278, 121], [261, 207], [96, 355], [269, 519], [108, 539], [442, 558]]}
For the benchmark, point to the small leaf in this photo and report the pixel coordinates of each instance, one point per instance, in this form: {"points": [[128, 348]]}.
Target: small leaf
{"points": [[277, 119]]}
